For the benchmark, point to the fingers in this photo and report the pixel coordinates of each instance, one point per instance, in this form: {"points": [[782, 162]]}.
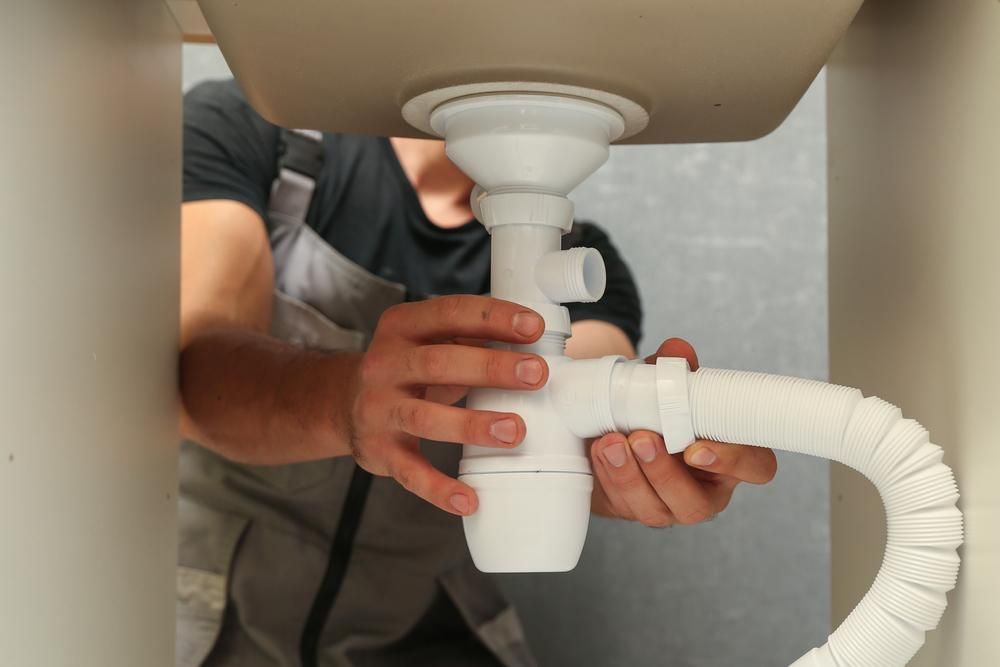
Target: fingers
{"points": [[416, 474], [756, 465], [605, 499], [470, 367], [640, 480], [450, 317], [406, 362], [675, 347], [613, 455], [670, 479], [432, 421]]}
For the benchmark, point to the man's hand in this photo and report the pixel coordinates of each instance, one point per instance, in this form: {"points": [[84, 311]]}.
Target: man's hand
{"points": [[415, 368], [638, 480]]}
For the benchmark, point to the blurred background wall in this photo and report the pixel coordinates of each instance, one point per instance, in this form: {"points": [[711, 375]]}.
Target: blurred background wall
{"points": [[728, 244]]}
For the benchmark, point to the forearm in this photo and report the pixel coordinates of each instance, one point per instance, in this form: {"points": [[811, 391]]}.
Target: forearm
{"points": [[255, 399], [594, 338]]}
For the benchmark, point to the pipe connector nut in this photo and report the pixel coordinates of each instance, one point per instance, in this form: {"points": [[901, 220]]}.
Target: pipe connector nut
{"points": [[521, 208], [674, 404]]}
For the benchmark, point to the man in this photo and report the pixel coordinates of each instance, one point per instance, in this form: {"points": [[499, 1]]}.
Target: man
{"points": [[315, 357]]}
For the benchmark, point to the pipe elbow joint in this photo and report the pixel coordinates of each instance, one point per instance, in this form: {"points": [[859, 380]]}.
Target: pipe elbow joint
{"points": [[598, 396]]}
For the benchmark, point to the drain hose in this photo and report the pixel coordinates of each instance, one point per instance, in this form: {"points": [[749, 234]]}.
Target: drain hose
{"points": [[870, 435]]}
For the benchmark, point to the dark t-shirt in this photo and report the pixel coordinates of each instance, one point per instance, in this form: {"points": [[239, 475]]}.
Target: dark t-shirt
{"points": [[365, 207]]}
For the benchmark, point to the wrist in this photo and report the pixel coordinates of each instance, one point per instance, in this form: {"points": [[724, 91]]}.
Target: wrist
{"points": [[340, 385]]}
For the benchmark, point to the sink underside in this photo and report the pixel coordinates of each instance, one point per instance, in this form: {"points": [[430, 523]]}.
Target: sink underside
{"points": [[705, 70]]}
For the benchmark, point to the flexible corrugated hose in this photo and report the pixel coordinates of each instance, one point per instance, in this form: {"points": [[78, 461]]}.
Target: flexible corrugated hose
{"points": [[924, 524]]}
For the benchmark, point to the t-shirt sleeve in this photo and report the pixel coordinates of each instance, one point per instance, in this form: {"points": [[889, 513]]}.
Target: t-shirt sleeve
{"points": [[230, 152], [620, 304]]}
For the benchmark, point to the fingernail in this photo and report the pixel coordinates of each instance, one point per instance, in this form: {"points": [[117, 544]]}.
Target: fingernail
{"points": [[615, 454], [529, 371], [504, 430], [703, 457], [460, 503], [527, 324], [644, 449]]}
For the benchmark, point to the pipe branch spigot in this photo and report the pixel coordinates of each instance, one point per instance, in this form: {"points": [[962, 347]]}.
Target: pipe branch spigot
{"points": [[576, 275]]}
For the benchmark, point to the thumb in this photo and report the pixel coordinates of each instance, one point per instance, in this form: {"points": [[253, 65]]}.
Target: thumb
{"points": [[675, 347]]}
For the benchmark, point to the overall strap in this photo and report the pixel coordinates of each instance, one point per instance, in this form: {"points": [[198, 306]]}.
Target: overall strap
{"points": [[300, 159], [299, 163]]}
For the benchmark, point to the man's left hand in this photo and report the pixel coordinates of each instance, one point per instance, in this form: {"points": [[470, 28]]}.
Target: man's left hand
{"points": [[636, 479]]}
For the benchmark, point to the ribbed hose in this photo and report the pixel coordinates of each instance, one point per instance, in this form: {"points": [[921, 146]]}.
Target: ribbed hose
{"points": [[924, 524]]}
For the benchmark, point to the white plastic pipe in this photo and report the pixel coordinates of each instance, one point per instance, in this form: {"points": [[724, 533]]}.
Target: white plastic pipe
{"points": [[526, 152], [924, 523], [833, 422], [837, 423], [532, 521]]}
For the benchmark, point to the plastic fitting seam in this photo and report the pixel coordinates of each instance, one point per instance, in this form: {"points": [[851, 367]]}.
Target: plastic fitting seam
{"points": [[925, 526]]}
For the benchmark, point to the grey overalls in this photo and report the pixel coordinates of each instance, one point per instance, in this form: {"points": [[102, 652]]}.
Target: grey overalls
{"points": [[305, 564]]}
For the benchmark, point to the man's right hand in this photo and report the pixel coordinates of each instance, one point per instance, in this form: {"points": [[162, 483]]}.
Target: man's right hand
{"points": [[415, 366], [259, 400]]}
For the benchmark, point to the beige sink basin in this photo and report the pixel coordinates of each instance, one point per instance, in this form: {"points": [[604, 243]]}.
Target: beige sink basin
{"points": [[705, 70]]}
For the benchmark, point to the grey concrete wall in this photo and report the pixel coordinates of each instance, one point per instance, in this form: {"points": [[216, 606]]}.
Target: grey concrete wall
{"points": [[728, 243]]}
